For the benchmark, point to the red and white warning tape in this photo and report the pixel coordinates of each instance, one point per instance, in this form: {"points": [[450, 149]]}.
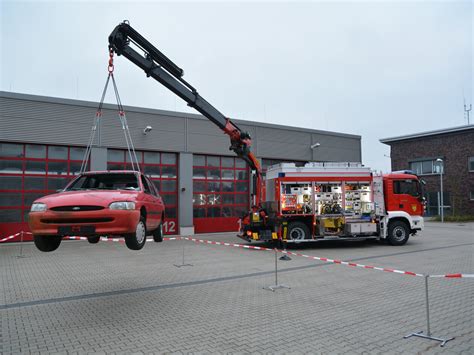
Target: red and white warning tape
{"points": [[10, 237], [454, 276], [244, 246], [328, 260]]}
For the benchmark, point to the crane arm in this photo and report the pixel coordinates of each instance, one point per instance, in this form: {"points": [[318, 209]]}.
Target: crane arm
{"points": [[167, 73]]}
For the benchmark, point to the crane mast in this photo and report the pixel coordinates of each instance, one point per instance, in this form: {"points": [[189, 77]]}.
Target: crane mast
{"points": [[156, 65]]}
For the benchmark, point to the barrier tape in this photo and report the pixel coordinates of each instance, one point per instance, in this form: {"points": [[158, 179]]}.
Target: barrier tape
{"points": [[454, 276], [244, 246], [328, 260], [10, 237]]}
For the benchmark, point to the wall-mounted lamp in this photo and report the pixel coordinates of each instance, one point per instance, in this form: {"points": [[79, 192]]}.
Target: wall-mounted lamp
{"points": [[147, 129], [315, 145]]}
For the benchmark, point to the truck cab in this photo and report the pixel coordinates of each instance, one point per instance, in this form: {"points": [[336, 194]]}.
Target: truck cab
{"points": [[404, 203]]}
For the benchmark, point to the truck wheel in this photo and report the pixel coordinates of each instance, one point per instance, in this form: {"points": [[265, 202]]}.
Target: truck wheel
{"points": [[398, 233], [298, 231], [47, 243], [93, 240], [136, 241], [158, 233]]}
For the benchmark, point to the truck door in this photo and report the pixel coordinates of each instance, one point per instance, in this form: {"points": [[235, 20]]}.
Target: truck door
{"points": [[407, 197]]}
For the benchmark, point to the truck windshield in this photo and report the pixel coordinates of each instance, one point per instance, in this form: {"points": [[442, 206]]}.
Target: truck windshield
{"points": [[407, 187], [105, 182]]}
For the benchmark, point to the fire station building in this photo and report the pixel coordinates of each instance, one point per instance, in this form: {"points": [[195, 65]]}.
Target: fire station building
{"points": [[446, 154], [205, 188]]}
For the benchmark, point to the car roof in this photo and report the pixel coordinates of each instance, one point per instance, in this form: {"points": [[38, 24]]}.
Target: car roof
{"points": [[111, 172]]}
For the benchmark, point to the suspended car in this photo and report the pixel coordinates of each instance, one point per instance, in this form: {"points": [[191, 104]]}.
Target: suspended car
{"points": [[95, 204]]}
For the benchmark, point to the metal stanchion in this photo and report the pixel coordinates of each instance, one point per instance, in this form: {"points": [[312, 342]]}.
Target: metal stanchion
{"points": [[276, 286], [183, 264], [428, 330], [285, 256], [21, 246]]}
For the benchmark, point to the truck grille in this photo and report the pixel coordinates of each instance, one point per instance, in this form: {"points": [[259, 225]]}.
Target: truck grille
{"points": [[76, 208]]}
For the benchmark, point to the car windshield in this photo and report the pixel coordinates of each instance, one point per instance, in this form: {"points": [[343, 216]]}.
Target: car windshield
{"points": [[105, 182]]}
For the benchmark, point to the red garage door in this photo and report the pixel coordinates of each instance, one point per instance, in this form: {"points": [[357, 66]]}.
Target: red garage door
{"points": [[220, 193], [162, 168], [27, 172]]}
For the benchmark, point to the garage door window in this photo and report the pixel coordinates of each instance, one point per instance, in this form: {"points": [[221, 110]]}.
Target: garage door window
{"points": [[220, 187], [29, 171]]}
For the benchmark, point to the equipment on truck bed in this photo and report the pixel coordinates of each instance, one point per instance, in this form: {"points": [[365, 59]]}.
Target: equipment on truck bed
{"points": [[321, 201]]}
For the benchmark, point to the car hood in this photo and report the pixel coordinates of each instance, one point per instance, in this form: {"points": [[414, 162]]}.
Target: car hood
{"points": [[87, 198]]}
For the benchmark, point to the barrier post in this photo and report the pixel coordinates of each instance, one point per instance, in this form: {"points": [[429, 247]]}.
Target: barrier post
{"points": [[21, 246], [428, 329], [183, 264], [285, 256], [276, 286]]}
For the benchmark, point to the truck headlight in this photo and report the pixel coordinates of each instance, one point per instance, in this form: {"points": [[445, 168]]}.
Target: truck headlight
{"points": [[38, 207], [123, 205]]}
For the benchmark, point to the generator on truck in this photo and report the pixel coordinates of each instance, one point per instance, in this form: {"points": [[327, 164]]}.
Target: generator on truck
{"points": [[343, 201]]}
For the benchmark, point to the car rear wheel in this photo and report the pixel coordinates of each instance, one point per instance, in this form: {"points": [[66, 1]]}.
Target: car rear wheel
{"points": [[158, 233], [93, 240], [136, 241], [47, 243]]}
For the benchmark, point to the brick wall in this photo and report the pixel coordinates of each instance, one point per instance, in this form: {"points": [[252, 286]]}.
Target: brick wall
{"points": [[455, 149]]}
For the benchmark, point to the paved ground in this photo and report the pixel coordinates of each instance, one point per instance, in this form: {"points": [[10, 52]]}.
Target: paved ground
{"points": [[106, 298]]}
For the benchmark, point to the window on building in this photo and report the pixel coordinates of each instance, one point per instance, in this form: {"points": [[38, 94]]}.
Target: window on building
{"points": [[472, 196], [425, 167], [220, 186], [471, 164], [30, 171]]}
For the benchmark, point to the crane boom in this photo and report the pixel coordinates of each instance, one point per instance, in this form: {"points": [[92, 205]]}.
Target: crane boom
{"points": [[155, 64]]}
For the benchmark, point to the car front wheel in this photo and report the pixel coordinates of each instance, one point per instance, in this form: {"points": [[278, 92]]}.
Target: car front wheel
{"points": [[47, 243], [93, 240], [136, 241]]}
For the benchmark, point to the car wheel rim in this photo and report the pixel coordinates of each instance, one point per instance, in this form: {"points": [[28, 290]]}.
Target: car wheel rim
{"points": [[399, 233], [140, 232], [297, 233]]}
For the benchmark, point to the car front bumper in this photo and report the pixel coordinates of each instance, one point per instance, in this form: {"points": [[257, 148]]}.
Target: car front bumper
{"points": [[103, 222]]}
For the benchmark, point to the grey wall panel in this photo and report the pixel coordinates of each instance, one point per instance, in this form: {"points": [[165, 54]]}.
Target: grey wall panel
{"points": [[36, 119], [203, 127], [98, 158], [186, 196], [209, 144]]}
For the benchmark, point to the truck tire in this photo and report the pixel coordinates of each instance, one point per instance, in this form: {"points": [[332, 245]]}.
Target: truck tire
{"points": [[94, 239], [158, 233], [47, 243], [297, 231], [136, 241], [398, 233]]}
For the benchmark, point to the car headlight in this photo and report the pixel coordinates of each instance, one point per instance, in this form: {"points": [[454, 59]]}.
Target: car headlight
{"points": [[123, 205], [38, 207]]}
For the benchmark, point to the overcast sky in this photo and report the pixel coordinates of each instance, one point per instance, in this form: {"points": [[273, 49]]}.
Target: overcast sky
{"points": [[376, 68]]}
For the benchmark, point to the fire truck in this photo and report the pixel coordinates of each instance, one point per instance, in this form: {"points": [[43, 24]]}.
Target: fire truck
{"points": [[322, 201], [295, 204]]}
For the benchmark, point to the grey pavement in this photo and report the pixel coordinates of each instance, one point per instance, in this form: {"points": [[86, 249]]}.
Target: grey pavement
{"points": [[104, 298]]}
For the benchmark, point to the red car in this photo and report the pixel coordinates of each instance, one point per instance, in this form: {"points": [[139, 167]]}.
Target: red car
{"points": [[123, 203]]}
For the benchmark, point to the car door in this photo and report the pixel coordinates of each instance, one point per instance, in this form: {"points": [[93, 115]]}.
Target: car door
{"points": [[151, 203]]}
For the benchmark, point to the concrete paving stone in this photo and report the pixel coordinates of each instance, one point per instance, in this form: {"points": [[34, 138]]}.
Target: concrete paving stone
{"points": [[105, 298]]}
